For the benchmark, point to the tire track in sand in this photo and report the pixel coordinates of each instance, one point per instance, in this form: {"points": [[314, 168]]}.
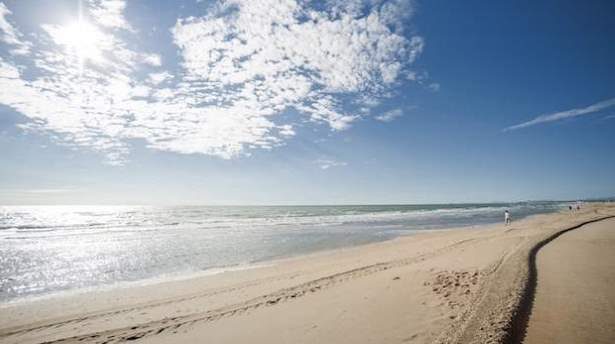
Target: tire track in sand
{"points": [[501, 308], [283, 295], [518, 326]]}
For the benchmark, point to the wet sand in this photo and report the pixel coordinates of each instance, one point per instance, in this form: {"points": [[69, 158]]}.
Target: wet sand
{"points": [[575, 293], [455, 286]]}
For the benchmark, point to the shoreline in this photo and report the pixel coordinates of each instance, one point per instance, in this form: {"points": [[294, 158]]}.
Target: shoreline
{"points": [[181, 276], [442, 286]]}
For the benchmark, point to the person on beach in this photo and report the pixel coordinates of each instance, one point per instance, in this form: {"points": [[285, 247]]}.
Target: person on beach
{"points": [[506, 217]]}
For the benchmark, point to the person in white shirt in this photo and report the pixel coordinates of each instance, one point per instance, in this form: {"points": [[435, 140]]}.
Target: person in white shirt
{"points": [[506, 217]]}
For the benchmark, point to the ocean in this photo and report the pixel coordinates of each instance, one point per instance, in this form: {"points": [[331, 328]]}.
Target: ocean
{"points": [[50, 249]]}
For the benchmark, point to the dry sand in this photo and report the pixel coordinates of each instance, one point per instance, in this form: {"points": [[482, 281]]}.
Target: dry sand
{"points": [[457, 286], [575, 293]]}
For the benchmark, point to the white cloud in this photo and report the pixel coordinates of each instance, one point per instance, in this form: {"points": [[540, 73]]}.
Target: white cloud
{"points": [[109, 13], [152, 59], [46, 191], [241, 67], [556, 116], [8, 71], [390, 116], [325, 164], [10, 35], [287, 130], [422, 78], [157, 78]]}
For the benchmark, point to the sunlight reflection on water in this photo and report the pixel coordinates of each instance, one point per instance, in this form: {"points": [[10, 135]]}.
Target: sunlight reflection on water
{"points": [[53, 248]]}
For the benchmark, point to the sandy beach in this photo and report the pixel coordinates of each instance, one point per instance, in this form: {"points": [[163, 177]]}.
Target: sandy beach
{"points": [[476, 285], [575, 299], [307, 172]]}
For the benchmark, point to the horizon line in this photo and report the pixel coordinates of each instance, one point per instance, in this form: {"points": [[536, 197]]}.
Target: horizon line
{"points": [[599, 199]]}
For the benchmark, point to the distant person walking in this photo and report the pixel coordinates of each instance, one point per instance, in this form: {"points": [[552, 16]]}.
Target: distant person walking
{"points": [[506, 217]]}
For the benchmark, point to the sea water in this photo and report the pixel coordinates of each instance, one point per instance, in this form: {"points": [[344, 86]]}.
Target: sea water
{"points": [[47, 249]]}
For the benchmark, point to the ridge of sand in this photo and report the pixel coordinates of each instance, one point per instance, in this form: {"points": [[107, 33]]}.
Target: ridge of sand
{"points": [[503, 312], [463, 286], [575, 300]]}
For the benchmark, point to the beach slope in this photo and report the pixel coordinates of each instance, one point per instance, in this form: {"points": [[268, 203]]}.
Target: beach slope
{"points": [[452, 286]]}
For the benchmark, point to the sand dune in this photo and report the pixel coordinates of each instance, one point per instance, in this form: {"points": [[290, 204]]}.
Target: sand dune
{"points": [[457, 286]]}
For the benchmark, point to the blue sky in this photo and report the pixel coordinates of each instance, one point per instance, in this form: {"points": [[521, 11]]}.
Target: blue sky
{"points": [[301, 102]]}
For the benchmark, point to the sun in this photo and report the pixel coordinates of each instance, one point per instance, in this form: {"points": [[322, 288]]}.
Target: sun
{"points": [[83, 40]]}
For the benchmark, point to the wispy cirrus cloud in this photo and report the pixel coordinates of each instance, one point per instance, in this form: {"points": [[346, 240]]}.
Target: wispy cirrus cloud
{"points": [[40, 191], [241, 66], [325, 164], [556, 116]]}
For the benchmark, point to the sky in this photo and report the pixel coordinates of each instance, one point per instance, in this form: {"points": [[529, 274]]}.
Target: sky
{"points": [[305, 102]]}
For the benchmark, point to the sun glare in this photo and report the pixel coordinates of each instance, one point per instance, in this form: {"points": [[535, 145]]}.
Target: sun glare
{"points": [[82, 39]]}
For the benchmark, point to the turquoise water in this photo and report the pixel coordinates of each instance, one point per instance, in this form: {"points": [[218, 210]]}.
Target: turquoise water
{"points": [[45, 249]]}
